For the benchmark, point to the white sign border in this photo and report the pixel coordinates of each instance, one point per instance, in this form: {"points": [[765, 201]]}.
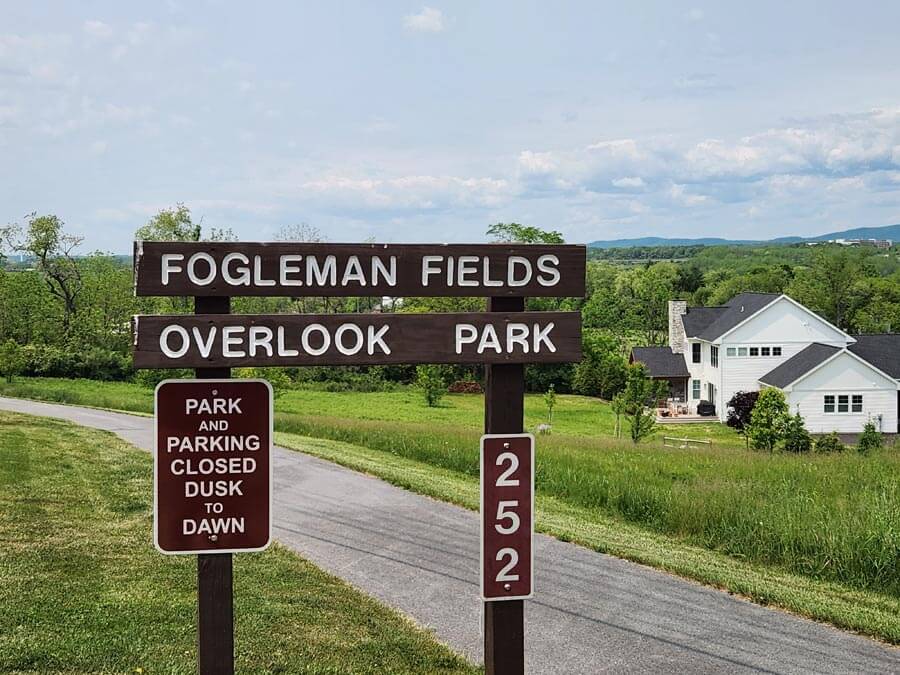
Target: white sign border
{"points": [[481, 520], [156, 463]]}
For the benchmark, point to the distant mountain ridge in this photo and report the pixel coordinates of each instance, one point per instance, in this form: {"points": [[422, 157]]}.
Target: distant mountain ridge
{"points": [[891, 232]]}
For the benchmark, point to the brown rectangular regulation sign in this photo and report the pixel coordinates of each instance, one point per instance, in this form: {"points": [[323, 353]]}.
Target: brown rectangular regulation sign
{"points": [[300, 269], [235, 340], [212, 476]]}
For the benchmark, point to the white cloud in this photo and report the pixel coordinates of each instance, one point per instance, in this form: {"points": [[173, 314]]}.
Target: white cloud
{"points": [[429, 20], [97, 29], [99, 147], [628, 182], [694, 14], [413, 192]]}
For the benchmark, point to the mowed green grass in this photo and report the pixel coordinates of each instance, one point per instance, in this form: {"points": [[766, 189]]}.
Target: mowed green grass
{"points": [[83, 590], [830, 519]]}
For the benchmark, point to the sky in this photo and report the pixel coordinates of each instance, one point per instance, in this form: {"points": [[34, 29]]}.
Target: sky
{"points": [[398, 121]]}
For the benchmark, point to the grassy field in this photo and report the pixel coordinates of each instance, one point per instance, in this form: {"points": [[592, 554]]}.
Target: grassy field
{"points": [[832, 521], [578, 416], [83, 590]]}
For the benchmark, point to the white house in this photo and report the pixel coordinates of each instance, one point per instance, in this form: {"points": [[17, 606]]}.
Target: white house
{"points": [[836, 381]]}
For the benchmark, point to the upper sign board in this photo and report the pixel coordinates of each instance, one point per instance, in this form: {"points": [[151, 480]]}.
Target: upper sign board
{"points": [[299, 269], [213, 466]]}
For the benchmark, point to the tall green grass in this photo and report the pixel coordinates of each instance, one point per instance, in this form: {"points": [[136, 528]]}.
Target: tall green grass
{"points": [[833, 517]]}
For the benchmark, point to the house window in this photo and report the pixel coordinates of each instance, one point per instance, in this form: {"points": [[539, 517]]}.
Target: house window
{"points": [[764, 351], [731, 351], [754, 351], [776, 351], [695, 352], [695, 389], [714, 357], [829, 403], [843, 403], [856, 403], [742, 351]]}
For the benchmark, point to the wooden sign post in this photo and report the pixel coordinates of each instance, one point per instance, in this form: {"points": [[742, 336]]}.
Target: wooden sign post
{"points": [[504, 338]]}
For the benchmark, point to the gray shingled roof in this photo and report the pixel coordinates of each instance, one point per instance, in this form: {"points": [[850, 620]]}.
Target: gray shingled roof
{"points": [[882, 351], [661, 361], [798, 365], [698, 319], [738, 309]]}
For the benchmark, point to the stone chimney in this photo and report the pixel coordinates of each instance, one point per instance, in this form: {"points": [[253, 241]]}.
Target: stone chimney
{"points": [[677, 338]]}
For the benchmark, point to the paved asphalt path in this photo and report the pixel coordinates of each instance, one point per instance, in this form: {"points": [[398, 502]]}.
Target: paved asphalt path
{"points": [[592, 613]]}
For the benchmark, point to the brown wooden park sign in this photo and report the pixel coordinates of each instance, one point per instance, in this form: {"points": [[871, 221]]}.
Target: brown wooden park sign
{"points": [[212, 497]]}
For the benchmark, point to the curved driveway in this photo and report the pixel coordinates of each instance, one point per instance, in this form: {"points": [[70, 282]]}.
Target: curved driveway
{"points": [[592, 614]]}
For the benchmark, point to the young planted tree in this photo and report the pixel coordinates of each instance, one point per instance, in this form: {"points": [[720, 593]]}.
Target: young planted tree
{"points": [[740, 407], [12, 360], [44, 238], [431, 382], [768, 419], [638, 400], [550, 401], [617, 405], [796, 437]]}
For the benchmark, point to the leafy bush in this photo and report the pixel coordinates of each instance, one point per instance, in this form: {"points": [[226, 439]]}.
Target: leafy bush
{"points": [[431, 382], [277, 377], [870, 439], [539, 377], [101, 364], [151, 377], [829, 443], [92, 363], [796, 437], [12, 360]]}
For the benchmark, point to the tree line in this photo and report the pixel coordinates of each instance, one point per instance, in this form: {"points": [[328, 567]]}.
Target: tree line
{"points": [[67, 313]]}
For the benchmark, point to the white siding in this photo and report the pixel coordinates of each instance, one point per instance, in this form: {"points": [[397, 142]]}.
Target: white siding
{"points": [[742, 373], [782, 324], [845, 375], [783, 321]]}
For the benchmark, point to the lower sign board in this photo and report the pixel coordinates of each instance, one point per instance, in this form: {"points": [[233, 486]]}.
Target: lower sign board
{"points": [[236, 340], [507, 516], [212, 476]]}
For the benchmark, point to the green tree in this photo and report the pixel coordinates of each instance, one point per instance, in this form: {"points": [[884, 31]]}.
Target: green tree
{"points": [[836, 285], [12, 360], [795, 436], [550, 401], [523, 234], [603, 370], [45, 239], [768, 419], [170, 225], [431, 382], [645, 292], [869, 440], [639, 399]]}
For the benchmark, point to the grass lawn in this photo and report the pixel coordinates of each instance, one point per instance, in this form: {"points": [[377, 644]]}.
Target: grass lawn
{"points": [[816, 534], [83, 590]]}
